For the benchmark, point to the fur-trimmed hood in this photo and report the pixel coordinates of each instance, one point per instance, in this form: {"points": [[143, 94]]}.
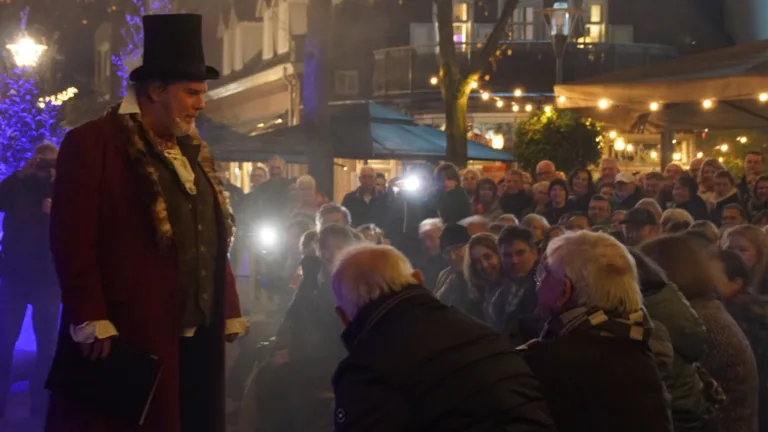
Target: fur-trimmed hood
{"points": [[135, 144]]}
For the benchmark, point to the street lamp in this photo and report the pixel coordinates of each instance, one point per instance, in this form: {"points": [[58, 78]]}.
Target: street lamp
{"points": [[26, 52], [560, 20]]}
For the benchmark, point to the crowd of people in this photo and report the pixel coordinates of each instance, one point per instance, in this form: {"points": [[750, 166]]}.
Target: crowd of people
{"points": [[671, 266]]}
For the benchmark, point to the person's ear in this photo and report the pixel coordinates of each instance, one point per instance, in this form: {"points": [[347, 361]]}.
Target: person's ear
{"points": [[419, 276], [565, 295], [342, 316]]}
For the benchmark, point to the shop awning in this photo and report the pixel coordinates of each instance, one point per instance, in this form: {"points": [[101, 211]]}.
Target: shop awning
{"points": [[732, 78], [359, 131]]}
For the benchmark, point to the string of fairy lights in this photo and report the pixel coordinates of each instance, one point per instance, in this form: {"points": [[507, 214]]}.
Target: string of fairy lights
{"points": [[619, 143], [516, 105]]}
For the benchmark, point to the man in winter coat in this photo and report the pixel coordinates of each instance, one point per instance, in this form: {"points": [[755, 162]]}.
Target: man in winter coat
{"points": [[140, 231], [26, 269], [415, 364]]}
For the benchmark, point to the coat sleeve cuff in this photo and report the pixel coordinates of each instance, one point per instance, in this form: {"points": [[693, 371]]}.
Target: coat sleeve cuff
{"points": [[89, 331], [238, 326]]}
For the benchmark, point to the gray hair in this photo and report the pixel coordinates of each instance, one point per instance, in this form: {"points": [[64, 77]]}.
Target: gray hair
{"points": [[602, 271], [331, 208], [365, 272]]}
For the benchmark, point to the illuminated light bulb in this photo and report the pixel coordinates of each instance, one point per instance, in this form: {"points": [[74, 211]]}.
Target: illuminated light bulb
{"points": [[724, 147], [743, 140], [547, 109], [473, 84], [763, 97], [603, 104], [497, 141], [433, 80], [677, 156], [486, 96], [630, 147], [529, 108], [654, 106], [612, 135], [699, 155], [561, 99], [654, 155], [707, 103], [518, 93], [499, 103], [26, 52], [619, 145], [721, 159], [515, 108]]}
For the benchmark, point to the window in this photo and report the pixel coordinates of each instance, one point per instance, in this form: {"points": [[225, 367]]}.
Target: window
{"points": [[460, 11], [346, 83], [522, 24], [460, 33], [594, 28]]}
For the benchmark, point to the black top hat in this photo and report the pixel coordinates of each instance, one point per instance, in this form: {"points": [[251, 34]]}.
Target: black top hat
{"points": [[173, 49]]}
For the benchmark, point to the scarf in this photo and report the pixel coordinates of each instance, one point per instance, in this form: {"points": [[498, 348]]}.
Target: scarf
{"points": [[636, 325]]}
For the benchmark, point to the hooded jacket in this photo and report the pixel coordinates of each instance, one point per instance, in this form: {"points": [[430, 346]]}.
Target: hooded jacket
{"points": [[666, 304]]}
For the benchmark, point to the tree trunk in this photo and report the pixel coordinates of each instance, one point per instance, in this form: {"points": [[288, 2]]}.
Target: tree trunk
{"points": [[456, 88]]}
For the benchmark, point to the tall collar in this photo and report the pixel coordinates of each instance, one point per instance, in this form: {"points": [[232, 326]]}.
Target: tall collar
{"points": [[371, 313], [130, 103]]}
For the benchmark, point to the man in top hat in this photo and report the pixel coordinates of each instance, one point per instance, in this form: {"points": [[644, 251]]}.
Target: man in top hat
{"points": [[140, 230]]}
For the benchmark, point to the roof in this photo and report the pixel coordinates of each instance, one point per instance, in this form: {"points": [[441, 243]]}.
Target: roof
{"points": [[733, 73], [731, 77], [358, 131]]}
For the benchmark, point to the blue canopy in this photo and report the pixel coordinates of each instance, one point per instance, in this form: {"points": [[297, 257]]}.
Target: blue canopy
{"points": [[358, 131]]}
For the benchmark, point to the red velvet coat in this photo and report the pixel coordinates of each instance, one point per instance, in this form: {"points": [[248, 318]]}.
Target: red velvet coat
{"points": [[114, 255]]}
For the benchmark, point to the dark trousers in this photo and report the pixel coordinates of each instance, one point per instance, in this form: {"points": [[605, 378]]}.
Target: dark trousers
{"points": [[197, 390], [46, 304]]}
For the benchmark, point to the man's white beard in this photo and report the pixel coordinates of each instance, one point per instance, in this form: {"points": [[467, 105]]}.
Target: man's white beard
{"points": [[181, 129]]}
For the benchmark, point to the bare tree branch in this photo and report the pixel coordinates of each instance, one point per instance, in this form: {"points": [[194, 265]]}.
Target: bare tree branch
{"points": [[491, 45]]}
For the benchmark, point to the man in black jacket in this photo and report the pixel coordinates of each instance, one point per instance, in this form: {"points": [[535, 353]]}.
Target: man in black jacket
{"points": [[365, 204], [415, 364], [28, 277]]}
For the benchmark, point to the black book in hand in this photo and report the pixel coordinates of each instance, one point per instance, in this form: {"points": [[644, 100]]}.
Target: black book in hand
{"points": [[120, 387]]}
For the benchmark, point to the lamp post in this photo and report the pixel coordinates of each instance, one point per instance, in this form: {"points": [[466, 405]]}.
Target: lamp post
{"points": [[561, 20], [26, 52]]}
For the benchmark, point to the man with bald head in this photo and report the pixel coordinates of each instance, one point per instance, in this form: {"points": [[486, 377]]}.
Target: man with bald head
{"points": [[365, 203], [546, 171]]}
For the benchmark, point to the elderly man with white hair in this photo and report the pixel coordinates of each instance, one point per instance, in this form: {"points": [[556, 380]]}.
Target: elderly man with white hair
{"points": [[415, 364], [594, 359]]}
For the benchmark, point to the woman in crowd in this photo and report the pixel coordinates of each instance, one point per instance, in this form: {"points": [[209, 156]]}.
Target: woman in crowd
{"points": [[706, 180], [486, 201], [581, 187], [759, 200], [452, 201], [596, 340], [751, 243], [558, 201], [469, 180], [685, 197], [751, 314], [729, 359], [666, 304], [725, 193], [482, 268]]}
